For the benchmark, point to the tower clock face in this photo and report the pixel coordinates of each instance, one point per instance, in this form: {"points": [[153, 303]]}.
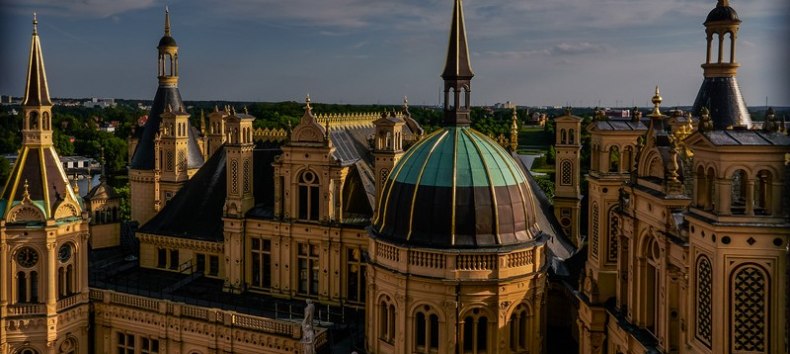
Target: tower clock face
{"points": [[27, 257], [64, 253]]}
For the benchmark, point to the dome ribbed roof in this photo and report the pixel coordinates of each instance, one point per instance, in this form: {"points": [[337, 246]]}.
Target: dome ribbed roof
{"points": [[167, 41], [456, 189], [722, 13]]}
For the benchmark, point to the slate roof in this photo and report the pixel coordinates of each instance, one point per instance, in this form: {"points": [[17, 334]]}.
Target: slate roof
{"points": [[143, 158], [722, 96], [621, 125], [195, 212], [747, 137], [351, 145], [103, 190]]}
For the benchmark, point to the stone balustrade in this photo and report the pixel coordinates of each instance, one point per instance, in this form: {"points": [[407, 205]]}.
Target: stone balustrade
{"points": [[459, 264]]}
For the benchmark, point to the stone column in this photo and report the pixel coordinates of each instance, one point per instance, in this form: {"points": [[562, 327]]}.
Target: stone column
{"points": [[749, 197]]}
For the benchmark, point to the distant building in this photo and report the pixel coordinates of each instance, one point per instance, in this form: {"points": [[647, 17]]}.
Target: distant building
{"points": [[506, 105], [100, 103], [71, 163]]}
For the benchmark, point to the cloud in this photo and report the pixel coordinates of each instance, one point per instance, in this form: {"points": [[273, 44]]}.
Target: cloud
{"points": [[81, 8], [557, 50]]}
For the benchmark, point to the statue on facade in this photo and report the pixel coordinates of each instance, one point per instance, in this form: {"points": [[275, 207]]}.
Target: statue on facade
{"points": [[308, 332]]}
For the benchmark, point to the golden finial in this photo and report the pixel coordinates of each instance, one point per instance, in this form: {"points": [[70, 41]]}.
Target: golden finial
{"points": [[76, 186], [202, 122], [656, 103], [307, 102], [705, 122], [245, 110], [26, 191], [216, 108], [35, 24], [167, 21], [405, 103]]}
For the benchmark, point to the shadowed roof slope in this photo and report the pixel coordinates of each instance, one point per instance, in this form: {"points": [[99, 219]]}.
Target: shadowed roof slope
{"points": [[196, 210]]}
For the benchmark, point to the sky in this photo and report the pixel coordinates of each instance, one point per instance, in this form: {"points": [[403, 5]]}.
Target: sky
{"points": [[530, 52]]}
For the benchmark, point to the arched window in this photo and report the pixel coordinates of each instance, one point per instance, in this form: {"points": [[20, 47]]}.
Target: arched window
{"points": [[475, 333], [614, 159], [738, 197], [66, 274], [387, 320], [710, 183], [519, 329], [21, 287], [563, 137], [702, 188], [33, 121], [763, 194], [651, 256], [595, 158], [704, 307], [571, 137], [426, 331], [450, 99], [69, 346], [628, 158], [45, 121], [308, 196], [750, 309], [467, 97]]}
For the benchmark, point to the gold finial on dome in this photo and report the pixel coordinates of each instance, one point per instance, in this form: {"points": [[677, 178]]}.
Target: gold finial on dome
{"points": [[35, 24], [657, 103], [26, 191], [307, 103]]}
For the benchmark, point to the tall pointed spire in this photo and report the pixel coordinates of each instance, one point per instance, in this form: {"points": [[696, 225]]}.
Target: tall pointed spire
{"points": [[457, 64], [36, 89], [167, 21], [457, 73]]}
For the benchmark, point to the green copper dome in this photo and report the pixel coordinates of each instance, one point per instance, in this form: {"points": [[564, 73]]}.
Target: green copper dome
{"points": [[456, 188]]}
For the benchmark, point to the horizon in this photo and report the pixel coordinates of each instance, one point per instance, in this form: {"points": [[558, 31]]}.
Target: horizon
{"points": [[353, 52]]}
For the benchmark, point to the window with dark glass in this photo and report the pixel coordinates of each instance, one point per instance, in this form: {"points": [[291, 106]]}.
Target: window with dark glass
{"points": [[356, 275], [213, 266], [161, 258], [173, 259], [200, 263], [125, 343], [475, 334], [149, 346], [261, 263], [308, 196], [308, 269]]}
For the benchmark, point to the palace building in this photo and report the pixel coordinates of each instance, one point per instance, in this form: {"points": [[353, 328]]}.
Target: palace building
{"points": [[363, 232], [688, 223]]}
